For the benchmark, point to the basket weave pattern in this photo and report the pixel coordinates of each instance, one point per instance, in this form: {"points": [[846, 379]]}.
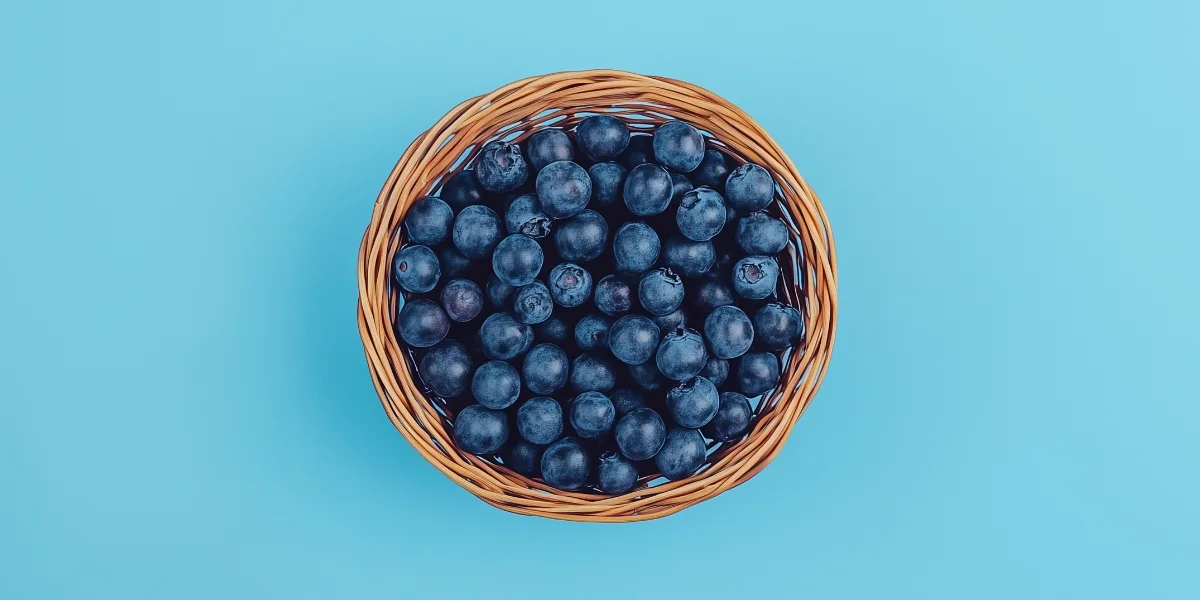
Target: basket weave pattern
{"points": [[515, 111]]}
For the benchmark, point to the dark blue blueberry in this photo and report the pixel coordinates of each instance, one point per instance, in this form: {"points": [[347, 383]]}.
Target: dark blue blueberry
{"points": [[647, 190], [524, 458], [565, 464], [754, 277], [682, 453], [564, 189], [592, 415], [500, 167], [503, 337], [532, 303], [477, 231], [660, 291], [680, 185], [760, 233], [633, 339], [570, 284], [777, 327], [729, 332], [462, 299], [496, 384], [428, 221], [709, 292], [613, 296], [627, 400], [687, 257], [422, 323], [693, 402], [701, 214], [581, 237], [647, 376], [546, 369], [500, 293], [639, 151], [547, 146], [525, 215], [554, 330], [602, 137], [616, 475], [670, 321], [681, 354], [480, 430], [713, 170], [517, 260], [592, 373], [757, 373], [461, 190], [591, 332], [715, 370], [454, 264], [640, 434], [732, 419], [416, 269], [540, 420], [446, 369], [607, 180], [635, 248], [749, 188], [678, 146]]}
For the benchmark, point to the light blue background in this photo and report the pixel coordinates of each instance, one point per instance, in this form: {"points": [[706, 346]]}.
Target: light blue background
{"points": [[1012, 406]]}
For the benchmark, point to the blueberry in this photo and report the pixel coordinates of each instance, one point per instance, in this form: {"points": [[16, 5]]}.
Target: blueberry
{"points": [[732, 418], [640, 434], [709, 292], [715, 370], [680, 185], [757, 373], [462, 190], [581, 237], [693, 403], [660, 291], [462, 299], [729, 332], [554, 330], [547, 146], [592, 373], [777, 327], [647, 190], [602, 137], [670, 321], [639, 151], [503, 337], [647, 376], [754, 277], [540, 420], [633, 339], [565, 464], [523, 457], [500, 167], [701, 214], [681, 354], [416, 269], [563, 188], [607, 181], [446, 369], [626, 400], [476, 232], [616, 475], [422, 323], [635, 248], [517, 260], [687, 257], [749, 188], [454, 264], [480, 430], [682, 453], [532, 303], [613, 296], [592, 415], [428, 221], [570, 284], [712, 170], [760, 233], [546, 368], [500, 293], [678, 146], [525, 215], [496, 384], [591, 332]]}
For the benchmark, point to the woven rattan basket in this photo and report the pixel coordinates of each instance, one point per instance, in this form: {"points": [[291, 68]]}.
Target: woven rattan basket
{"points": [[515, 111]]}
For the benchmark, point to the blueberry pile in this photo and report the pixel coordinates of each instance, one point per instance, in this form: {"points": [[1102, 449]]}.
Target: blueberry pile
{"points": [[597, 307]]}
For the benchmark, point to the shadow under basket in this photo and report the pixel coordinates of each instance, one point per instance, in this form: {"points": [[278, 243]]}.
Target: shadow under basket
{"points": [[513, 113]]}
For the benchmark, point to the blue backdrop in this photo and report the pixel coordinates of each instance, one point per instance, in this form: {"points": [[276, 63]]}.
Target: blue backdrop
{"points": [[1011, 410]]}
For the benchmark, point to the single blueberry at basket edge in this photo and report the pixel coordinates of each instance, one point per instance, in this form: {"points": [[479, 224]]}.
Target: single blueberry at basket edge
{"points": [[591, 372], [496, 384], [626, 400], [524, 458], [660, 291], [461, 190], [416, 269], [678, 146], [428, 221], [480, 430], [462, 300], [564, 188], [503, 337], [616, 475], [517, 260], [757, 373], [708, 293], [547, 146], [613, 296], [749, 188], [565, 464], [729, 332], [647, 190], [476, 232], [592, 415], [754, 277], [682, 453], [532, 303], [701, 214], [732, 419], [633, 339], [446, 369], [499, 293], [591, 332], [422, 323], [640, 434], [713, 170], [525, 215], [647, 376], [681, 354], [546, 369], [540, 420], [688, 257], [500, 167], [777, 327], [602, 137], [570, 284], [607, 180], [760, 233], [693, 403], [581, 237], [454, 264], [715, 370], [635, 248]]}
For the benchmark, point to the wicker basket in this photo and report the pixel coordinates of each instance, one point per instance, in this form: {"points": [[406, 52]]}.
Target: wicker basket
{"points": [[515, 111]]}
